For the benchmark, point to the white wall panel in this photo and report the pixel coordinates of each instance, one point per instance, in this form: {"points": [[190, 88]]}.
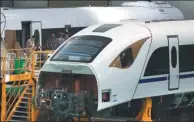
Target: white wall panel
{"points": [[73, 3], [187, 7]]}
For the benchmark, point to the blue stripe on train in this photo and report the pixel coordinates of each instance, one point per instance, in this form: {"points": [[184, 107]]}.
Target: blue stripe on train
{"points": [[153, 80], [163, 78], [186, 76]]}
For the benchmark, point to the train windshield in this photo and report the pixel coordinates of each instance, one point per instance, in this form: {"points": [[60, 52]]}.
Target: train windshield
{"points": [[81, 49]]}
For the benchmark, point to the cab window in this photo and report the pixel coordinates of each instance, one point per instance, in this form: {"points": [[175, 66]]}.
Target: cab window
{"points": [[128, 55], [81, 49]]}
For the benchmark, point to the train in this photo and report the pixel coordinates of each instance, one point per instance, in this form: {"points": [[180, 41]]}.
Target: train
{"points": [[28, 22], [107, 69]]}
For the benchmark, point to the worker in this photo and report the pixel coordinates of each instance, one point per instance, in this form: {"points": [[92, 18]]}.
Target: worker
{"points": [[38, 47], [60, 40], [66, 35], [30, 45], [51, 42]]}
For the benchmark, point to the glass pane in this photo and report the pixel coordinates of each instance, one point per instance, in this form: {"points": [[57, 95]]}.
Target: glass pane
{"points": [[174, 57], [186, 60], [81, 48], [126, 57], [158, 63]]}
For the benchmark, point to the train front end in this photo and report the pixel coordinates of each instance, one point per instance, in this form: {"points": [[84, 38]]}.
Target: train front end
{"points": [[93, 72], [67, 83]]}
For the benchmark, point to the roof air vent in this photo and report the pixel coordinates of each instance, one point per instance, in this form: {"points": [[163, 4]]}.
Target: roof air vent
{"points": [[105, 27], [153, 4]]}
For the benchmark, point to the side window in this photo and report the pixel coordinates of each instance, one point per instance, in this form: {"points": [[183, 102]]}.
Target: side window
{"points": [[37, 36], [126, 58], [158, 63], [174, 56], [186, 61]]}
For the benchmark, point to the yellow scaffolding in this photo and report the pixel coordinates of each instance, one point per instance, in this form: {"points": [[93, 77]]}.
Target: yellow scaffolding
{"points": [[18, 84]]}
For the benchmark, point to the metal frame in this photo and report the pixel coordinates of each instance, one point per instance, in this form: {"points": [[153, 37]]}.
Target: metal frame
{"points": [[144, 114], [32, 113]]}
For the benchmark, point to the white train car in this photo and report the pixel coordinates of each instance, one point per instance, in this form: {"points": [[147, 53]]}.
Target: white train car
{"points": [[43, 22], [123, 62]]}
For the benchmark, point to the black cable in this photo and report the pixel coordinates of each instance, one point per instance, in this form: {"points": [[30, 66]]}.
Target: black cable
{"points": [[2, 22]]}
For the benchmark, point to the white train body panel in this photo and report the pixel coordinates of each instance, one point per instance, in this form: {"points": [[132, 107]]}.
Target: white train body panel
{"points": [[126, 84], [100, 66], [114, 77], [86, 16], [159, 84]]}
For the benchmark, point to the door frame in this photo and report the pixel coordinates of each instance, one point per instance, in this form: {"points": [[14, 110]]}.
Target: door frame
{"points": [[177, 37], [24, 40], [40, 33]]}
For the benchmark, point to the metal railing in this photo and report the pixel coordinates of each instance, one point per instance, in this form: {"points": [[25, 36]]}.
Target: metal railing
{"points": [[41, 58], [18, 71]]}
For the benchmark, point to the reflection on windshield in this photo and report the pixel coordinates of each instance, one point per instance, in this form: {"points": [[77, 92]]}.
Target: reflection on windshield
{"points": [[81, 49]]}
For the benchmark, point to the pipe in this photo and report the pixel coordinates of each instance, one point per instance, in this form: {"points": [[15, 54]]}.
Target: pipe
{"points": [[77, 86], [57, 84]]}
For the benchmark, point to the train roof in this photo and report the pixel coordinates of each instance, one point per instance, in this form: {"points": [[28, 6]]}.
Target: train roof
{"points": [[86, 16], [142, 28]]}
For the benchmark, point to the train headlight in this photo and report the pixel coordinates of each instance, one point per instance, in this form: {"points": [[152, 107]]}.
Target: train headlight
{"points": [[55, 97], [106, 95]]}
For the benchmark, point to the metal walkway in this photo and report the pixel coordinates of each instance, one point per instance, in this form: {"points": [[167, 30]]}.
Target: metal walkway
{"points": [[18, 85], [19, 89]]}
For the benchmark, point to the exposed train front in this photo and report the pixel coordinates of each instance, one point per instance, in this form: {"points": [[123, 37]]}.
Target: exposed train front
{"points": [[96, 69]]}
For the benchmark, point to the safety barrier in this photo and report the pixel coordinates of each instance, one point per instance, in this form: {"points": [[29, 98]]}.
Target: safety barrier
{"points": [[20, 72], [41, 57], [19, 83]]}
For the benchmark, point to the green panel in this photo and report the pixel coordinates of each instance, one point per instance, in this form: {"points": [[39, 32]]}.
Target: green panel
{"points": [[19, 64], [15, 90]]}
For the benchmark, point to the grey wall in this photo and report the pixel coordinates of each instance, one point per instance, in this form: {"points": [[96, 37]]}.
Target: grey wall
{"points": [[6, 3], [187, 7], [30, 4], [52, 3]]}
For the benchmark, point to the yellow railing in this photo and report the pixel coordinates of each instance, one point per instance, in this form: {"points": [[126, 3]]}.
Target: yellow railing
{"points": [[18, 71], [40, 59], [20, 80]]}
